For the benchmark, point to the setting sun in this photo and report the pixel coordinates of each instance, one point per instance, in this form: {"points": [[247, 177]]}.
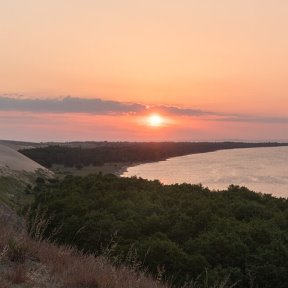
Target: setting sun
{"points": [[155, 120]]}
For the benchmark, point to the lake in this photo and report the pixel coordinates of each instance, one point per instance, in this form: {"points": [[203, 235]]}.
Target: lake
{"points": [[260, 169]]}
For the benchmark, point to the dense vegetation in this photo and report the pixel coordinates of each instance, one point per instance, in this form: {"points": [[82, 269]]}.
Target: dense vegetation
{"points": [[180, 230], [127, 152]]}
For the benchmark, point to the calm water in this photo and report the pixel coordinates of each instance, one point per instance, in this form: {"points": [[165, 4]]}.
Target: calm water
{"points": [[260, 169]]}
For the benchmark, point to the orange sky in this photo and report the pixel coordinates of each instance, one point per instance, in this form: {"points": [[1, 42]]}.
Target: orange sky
{"points": [[222, 56]]}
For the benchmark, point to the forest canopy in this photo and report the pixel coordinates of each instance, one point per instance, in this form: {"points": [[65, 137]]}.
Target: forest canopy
{"points": [[183, 230]]}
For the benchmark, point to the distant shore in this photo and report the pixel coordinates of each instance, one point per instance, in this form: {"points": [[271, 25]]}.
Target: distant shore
{"points": [[117, 168], [117, 157]]}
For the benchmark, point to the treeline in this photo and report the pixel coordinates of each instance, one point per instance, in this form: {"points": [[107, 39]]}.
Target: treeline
{"points": [[181, 231], [127, 152]]}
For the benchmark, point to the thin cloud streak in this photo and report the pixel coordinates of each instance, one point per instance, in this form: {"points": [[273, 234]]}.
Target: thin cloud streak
{"points": [[253, 119]]}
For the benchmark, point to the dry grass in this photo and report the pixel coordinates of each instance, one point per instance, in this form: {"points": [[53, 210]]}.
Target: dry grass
{"points": [[25, 260], [77, 270], [39, 263], [17, 274]]}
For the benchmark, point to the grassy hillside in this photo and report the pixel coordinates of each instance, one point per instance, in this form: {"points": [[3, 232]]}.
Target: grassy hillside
{"points": [[34, 263], [11, 190]]}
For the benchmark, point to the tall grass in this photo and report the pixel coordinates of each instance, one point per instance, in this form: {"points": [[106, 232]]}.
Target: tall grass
{"points": [[38, 262]]}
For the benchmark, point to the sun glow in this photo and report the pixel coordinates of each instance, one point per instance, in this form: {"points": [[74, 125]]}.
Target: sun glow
{"points": [[155, 120]]}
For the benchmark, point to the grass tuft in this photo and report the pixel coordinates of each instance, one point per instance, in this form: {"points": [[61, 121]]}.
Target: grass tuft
{"points": [[17, 250]]}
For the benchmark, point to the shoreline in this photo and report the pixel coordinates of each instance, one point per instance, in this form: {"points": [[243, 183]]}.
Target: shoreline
{"points": [[116, 168], [124, 168]]}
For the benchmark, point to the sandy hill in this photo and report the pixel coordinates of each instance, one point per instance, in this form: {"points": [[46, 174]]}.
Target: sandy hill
{"points": [[16, 171], [12, 161], [17, 145]]}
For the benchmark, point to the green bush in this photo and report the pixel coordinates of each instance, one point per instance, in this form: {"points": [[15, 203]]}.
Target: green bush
{"points": [[183, 230]]}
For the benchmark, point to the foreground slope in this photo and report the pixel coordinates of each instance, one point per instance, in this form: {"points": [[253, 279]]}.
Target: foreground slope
{"points": [[34, 263]]}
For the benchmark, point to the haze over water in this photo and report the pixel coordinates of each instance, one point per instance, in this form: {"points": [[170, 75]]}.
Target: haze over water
{"points": [[259, 169]]}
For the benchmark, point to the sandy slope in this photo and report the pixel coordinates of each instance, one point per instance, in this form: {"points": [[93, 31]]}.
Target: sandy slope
{"points": [[11, 160], [17, 145]]}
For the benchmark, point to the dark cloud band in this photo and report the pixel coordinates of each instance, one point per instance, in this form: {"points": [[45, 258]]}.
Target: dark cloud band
{"points": [[84, 105], [106, 107], [68, 105]]}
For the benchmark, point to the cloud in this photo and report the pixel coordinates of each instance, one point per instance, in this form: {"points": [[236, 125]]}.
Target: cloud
{"points": [[68, 105], [253, 119], [184, 111], [99, 106], [83, 105]]}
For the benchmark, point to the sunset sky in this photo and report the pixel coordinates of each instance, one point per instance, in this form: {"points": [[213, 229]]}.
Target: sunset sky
{"points": [[97, 70]]}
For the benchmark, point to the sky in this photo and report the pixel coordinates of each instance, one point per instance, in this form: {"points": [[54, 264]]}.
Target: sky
{"points": [[99, 70]]}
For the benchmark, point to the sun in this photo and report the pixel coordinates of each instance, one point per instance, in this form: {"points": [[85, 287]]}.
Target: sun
{"points": [[155, 120]]}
